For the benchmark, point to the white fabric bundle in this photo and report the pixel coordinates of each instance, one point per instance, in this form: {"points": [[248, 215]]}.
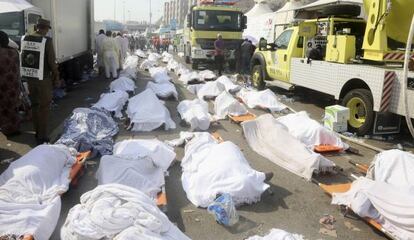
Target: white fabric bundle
{"points": [[30, 189], [154, 57], [190, 77], [163, 89], [181, 70], [159, 74], [166, 57], [194, 88], [225, 84], [394, 167], [391, 206], [172, 65], [207, 75], [309, 131], [209, 90], [147, 112], [225, 104], [113, 102], [195, 112], [122, 84], [210, 168], [140, 53], [137, 163], [180, 54], [271, 139], [264, 99], [147, 64], [131, 62], [129, 72], [278, 234], [115, 211]]}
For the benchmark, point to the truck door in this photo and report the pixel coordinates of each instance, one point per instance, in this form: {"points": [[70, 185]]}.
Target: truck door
{"points": [[280, 58]]}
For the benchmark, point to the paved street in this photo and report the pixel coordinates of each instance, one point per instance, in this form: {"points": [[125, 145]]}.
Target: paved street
{"points": [[295, 205]]}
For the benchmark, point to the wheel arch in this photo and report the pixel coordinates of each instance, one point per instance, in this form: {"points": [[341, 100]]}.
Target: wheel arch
{"points": [[352, 84]]}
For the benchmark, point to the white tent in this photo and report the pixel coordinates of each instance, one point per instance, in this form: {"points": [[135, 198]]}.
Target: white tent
{"points": [[14, 5], [258, 9], [322, 3]]}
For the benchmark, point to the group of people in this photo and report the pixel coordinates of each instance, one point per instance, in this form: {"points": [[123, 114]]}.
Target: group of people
{"points": [[28, 68], [111, 49], [161, 44]]}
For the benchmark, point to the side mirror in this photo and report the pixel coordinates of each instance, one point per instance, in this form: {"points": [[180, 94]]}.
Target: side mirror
{"points": [[189, 20], [263, 45], [244, 22], [273, 46]]}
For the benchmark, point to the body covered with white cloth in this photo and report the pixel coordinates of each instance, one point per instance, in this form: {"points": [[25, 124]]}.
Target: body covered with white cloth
{"points": [[115, 211], [211, 168], [263, 99], [195, 113], [122, 84], [164, 89], [225, 104], [30, 191], [146, 112], [113, 102]]}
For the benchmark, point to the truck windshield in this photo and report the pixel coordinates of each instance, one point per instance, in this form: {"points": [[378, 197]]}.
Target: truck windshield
{"points": [[13, 24], [217, 20]]}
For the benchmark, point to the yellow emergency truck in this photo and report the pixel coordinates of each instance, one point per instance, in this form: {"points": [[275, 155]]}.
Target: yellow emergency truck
{"points": [[357, 61], [203, 23]]}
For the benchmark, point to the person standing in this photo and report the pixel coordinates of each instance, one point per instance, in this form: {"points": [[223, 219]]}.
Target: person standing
{"points": [[98, 43], [246, 51], [125, 43], [9, 87], [110, 54], [39, 69], [120, 42], [219, 53]]}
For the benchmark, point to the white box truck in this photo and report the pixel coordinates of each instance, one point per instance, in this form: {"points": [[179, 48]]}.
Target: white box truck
{"points": [[72, 31]]}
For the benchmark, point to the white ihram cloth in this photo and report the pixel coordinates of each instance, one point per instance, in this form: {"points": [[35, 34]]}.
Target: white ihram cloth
{"points": [[264, 99], [147, 64], [159, 74], [225, 104], [190, 77], [98, 47], [209, 90], [115, 211], [172, 65], [277, 234], [181, 70], [30, 188], [122, 84], [147, 112], [271, 139], [194, 88], [225, 84], [210, 168], [166, 57], [154, 57], [113, 102], [391, 206], [207, 75], [195, 112], [140, 53], [309, 131], [137, 163], [394, 167], [163, 89], [131, 61], [120, 44]]}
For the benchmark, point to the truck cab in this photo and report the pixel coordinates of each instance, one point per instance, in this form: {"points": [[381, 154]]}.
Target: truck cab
{"points": [[203, 23]]}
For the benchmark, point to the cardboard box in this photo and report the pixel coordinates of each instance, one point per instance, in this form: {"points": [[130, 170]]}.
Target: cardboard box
{"points": [[336, 126], [337, 113]]}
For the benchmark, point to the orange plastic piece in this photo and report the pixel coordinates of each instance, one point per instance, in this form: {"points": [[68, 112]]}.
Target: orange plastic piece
{"points": [[28, 237], [217, 136], [335, 188], [161, 199], [242, 118], [327, 148]]}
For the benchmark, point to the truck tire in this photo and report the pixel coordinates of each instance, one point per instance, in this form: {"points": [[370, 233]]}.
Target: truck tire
{"points": [[257, 77], [341, 10], [361, 111]]}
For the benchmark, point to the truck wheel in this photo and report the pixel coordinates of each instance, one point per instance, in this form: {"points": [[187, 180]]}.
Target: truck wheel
{"points": [[342, 10], [257, 77], [361, 111], [194, 65]]}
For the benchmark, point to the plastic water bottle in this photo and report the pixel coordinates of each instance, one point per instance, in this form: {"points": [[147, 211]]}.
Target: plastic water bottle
{"points": [[224, 210]]}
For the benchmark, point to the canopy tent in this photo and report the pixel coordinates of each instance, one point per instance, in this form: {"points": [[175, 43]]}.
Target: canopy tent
{"points": [[14, 5], [259, 9], [312, 10]]}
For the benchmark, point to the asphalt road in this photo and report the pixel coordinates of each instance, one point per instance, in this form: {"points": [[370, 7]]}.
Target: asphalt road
{"points": [[295, 205]]}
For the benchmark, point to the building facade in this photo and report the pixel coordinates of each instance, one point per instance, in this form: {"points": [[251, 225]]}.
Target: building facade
{"points": [[175, 12]]}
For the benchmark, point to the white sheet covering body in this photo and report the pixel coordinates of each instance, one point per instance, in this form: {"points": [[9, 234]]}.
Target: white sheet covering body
{"points": [[225, 84], [309, 131], [190, 77], [209, 90], [210, 168], [164, 89], [30, 188], [207, 75], [115, 211], [140, 53], [113, 102], [195, 112], [147, 113], [225, 104], [271, 139], [137, 163], [147, 64], [278, 234], [159, 74], [264, 99], [394, 166], [391, 206], [122, 84], [154, 56]]}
